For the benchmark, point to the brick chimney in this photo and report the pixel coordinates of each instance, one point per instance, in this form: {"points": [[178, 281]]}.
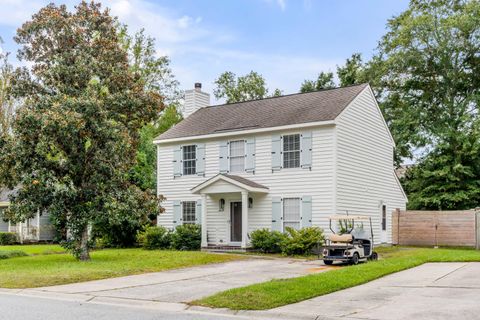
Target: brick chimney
{"points": [[195, 99]]}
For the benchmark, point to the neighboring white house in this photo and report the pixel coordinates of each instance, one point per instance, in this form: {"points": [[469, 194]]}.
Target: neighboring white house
{"points": [[284, 161], [36, 229]]}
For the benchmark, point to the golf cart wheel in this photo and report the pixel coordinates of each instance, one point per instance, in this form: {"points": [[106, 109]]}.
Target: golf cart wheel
{"points": [[355, 258], [328, 262], [374, 256]]}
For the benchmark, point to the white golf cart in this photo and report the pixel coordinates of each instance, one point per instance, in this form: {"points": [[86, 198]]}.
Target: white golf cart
{"points": [[351, 243]]}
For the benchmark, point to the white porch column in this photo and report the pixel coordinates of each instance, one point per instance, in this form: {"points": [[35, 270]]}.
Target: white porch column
{"points": [[38, 225], [204, 221], [244, 219]]}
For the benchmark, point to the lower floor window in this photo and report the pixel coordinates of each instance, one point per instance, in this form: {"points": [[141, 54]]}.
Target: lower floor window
{"points": [[188, 212], [384, 218], [291, 213]]}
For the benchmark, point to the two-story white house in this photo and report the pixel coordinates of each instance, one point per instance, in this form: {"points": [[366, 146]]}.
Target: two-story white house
{"points": [[284, 161]]}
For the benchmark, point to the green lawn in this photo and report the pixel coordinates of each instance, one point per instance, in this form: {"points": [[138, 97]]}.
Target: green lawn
{"points": [[53, 269], [277, 293], [35, 249]]}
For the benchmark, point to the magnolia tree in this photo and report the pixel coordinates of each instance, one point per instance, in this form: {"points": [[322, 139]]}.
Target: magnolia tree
{"points": [[76, 132]]}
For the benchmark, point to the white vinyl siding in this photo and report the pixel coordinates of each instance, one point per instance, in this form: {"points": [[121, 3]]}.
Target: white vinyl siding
{"points": [[237, 156], [364, 164], [291, 213], [291, 151], [189, 160], [188, 212], [317, 182]]}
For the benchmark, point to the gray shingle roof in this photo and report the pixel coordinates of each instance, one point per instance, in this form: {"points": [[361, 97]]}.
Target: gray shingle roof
{"points": [[291, 109], [245, 181]]}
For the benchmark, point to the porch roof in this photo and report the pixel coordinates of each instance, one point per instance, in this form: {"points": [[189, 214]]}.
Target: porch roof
{"points": [[241, 182]]}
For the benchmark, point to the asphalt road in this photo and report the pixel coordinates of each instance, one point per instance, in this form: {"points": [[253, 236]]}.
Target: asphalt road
{"points": [[32, 308]]}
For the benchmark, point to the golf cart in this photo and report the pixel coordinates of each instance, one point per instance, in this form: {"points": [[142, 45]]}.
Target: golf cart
{"points": [[351, 243]]}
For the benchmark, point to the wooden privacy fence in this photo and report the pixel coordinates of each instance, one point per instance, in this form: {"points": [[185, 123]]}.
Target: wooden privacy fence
{"points": [[436, 228]]}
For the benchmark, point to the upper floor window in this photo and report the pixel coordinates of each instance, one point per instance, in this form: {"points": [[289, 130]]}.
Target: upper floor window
{"points": [[291, 151], [188, 212], [237, 156], [189, 159]]}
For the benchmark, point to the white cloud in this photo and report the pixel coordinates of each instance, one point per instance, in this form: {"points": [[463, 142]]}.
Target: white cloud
{"points": [[199, 50], [14, 12], [282, 4]]}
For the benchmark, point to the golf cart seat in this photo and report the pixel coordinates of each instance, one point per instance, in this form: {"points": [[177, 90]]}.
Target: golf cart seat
{"points": [[342, 238]]}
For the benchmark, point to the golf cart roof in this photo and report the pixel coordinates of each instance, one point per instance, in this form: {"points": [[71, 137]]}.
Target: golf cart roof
{"points": [[349, 217]]}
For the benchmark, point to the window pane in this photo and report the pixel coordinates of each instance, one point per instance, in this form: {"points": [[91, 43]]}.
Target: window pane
{"points": [[188, 212], [291, 151], [384, 218], [237, 156], [291, 212], [189, 159]]}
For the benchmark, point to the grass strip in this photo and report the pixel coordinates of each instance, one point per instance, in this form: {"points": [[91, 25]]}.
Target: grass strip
{"points": [[12, 254], [55, 269], [281, 292]]}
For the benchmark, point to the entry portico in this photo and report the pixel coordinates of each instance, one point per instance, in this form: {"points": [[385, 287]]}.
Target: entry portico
{"points": [[229, 185]]}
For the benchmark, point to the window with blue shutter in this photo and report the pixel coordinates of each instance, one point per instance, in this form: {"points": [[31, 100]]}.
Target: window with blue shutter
{"points": [[223, 157], [250, 156], [276, 152], [291, 151], [306, 211], [200, 165], [306, 152], [277, 214], [189, 159]]}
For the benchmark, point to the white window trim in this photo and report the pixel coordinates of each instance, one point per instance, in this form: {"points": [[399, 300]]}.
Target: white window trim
{"points": [[230, 156], [183, 160], [182, 203], [299, 207], [300, 150]]}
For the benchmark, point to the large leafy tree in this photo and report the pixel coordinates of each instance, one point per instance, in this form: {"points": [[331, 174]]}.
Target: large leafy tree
{"points": [[7, 102], [352, 71], [243, 88], [157, 76], [428, 81], [323, 81], [76, 134]]}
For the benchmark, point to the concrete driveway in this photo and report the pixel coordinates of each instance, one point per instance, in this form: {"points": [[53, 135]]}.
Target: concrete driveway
{"points": [[431, 291], [184, 285]]}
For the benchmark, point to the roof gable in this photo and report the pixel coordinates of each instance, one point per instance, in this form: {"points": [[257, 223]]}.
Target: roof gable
{"points": [[272, 112]]}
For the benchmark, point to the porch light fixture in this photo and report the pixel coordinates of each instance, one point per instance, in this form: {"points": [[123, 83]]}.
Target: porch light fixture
{"points": [[250, 203], [221, 205]]}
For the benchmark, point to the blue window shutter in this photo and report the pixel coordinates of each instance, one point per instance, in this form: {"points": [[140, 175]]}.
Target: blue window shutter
{"points": [[250, 155], [306, 150], [200, 162], [277, 218], [276, 152], [198, 212], [177, 161], [177, 213], [223, 157], [306, 211]]}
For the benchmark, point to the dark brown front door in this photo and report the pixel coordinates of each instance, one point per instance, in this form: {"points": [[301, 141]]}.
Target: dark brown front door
{"points": [[236, 221]]}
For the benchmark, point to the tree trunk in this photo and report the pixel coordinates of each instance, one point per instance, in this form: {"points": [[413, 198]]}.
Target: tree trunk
{"points": [[84, 252]]}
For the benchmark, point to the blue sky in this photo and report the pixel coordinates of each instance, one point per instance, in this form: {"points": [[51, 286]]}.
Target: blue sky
{"points": [[286, 41]]}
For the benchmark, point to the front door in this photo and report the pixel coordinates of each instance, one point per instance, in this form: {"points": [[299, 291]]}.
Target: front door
{"points": [[235, 221]]}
